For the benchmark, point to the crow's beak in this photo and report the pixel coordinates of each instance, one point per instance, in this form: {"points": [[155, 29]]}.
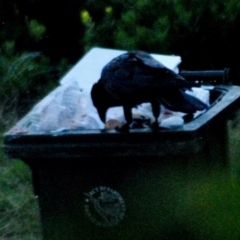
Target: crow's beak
{"points": [[102, 114]]}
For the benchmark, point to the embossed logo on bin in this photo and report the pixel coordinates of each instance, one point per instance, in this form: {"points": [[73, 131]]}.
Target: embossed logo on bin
{"points": [[104, 206]]}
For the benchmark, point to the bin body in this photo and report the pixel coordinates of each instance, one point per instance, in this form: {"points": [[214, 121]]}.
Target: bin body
{"points": [[115, 197], [109, 185], [111, 199]]}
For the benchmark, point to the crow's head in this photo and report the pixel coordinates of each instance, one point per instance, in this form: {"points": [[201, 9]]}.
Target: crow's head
{"points": [[102, 100]]}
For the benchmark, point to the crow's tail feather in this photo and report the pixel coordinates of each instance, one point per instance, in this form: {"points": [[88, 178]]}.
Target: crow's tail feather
{"points": [[180, 101]]}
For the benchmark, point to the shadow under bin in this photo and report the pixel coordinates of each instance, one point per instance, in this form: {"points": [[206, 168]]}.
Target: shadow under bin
{"points": [[108, 185]]}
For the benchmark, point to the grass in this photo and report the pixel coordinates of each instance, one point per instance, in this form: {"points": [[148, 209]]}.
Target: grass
{"points": [[19, 213], [205, 208]]}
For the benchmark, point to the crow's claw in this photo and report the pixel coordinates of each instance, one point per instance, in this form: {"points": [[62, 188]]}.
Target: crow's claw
{"points": [[124, 128]]}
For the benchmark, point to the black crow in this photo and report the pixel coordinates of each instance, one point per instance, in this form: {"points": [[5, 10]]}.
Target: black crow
{"points": [[136, 77]]}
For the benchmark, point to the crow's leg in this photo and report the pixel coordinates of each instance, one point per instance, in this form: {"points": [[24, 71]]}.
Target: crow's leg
{"points": [[156, 112], [128, 116]]}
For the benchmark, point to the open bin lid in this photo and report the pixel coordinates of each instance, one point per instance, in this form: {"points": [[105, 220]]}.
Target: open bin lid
{"points": [[188, 138]]}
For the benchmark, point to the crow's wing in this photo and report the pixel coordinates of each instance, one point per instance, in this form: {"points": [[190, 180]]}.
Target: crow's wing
{"points": [[147, 59], [138, 73], [159, 72], [178, 100]]}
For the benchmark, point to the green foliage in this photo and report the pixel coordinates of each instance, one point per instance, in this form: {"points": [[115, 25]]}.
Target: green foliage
{"points": [[18, 75], [204, 33], [36, 29], [18, 207], [85, 17], [8, 48], [19, 211]]}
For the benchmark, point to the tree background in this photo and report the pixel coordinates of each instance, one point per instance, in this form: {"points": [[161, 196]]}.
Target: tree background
{"points": [[204, 33]]}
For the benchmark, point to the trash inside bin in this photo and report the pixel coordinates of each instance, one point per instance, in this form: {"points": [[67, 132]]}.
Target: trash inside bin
{"points": [[108, 185]]}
